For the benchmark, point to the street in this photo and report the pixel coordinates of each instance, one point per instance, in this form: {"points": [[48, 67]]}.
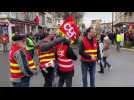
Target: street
{"points": [[122, 74]]}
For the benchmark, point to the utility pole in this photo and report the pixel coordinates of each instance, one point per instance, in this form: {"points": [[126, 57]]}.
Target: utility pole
{"points": [[112, 22]]}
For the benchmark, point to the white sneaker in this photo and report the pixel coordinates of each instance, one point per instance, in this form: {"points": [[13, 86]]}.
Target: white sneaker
{"points": [[110, 68]]}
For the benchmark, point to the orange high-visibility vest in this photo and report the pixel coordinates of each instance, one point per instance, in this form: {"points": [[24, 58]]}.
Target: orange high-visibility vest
{"points": [[65, 64], [45, 57], [16, 73], [89, 49]]}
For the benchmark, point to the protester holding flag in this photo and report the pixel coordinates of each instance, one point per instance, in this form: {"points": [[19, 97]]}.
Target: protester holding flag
{"points": [[64, 52], [65, 55]]}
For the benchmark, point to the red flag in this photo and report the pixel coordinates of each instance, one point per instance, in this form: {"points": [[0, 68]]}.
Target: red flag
{"points": [[70, 29]]}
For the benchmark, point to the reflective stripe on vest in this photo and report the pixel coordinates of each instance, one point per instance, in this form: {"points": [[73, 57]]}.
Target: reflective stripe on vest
{"points": [[89, 50], [15, 68], [92, 53], [30, 60], [47, 60], [32, 65], [45, 57], [64, 60], [15, 71], [65, 64], [14, 65], [15, 79]]}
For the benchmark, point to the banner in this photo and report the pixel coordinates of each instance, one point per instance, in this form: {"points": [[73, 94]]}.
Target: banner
{"points": [[70, 30]]}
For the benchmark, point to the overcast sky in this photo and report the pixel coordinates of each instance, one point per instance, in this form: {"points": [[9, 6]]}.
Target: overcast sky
{"points": [[104, 16]]}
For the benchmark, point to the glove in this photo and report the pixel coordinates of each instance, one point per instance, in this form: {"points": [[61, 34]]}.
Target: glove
{"points": [[49, 64], [45, 70]]}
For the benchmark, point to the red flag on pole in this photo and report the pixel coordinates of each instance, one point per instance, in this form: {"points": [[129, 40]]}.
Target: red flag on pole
{"points": [[70, 30]]}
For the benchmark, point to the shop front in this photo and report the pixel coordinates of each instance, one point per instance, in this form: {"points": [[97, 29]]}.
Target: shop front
{"points": [[4, 26]]}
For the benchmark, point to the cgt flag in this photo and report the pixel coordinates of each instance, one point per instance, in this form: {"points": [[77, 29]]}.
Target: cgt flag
{"points": [[70, 30]]}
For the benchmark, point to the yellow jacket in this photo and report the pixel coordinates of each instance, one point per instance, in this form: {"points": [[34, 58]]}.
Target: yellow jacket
{"points": [[118, 37]]}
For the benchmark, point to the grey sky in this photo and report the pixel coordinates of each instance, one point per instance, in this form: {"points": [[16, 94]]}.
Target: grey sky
{"points": [[104, 16]]}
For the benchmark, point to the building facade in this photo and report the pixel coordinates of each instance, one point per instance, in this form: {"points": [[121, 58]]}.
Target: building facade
{"points": [[22, 22], [96, 25], [123, 20], [106, 27]]}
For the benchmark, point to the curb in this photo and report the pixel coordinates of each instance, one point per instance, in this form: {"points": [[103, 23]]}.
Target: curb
{"points": [[131, 50]]}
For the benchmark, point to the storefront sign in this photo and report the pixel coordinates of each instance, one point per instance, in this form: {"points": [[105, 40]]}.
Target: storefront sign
{"points": [[131, 26]]}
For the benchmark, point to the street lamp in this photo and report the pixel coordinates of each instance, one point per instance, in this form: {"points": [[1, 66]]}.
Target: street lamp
{"points": [[104, 26]]}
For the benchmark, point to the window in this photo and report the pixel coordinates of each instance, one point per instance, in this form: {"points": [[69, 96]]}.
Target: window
{"points": [[3, 29], [13, 14], [43, 20], [20, 27], [49, 20], [58, 21], [13, 29], [130, 13], [30, 14]]}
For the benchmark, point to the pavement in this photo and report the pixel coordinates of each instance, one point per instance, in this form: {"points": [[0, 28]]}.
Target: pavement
{"points": [[122, 74], [128, 49]]}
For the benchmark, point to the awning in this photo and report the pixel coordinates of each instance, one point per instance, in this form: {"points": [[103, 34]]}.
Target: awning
{"points": [[123, 23], [24, 22]]}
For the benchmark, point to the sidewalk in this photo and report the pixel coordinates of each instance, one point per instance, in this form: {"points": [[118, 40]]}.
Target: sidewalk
{"points": [[128, 49]]}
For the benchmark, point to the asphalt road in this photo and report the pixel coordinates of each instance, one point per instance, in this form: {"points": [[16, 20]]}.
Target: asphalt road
{"points": [[122, 74]]}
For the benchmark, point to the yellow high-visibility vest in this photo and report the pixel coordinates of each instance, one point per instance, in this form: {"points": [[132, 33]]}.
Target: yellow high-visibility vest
{"points": [[31, 42], [118, 38]]}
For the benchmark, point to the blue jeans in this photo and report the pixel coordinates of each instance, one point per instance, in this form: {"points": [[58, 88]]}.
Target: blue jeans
{"points": [[25, 82], [91, 67]]}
